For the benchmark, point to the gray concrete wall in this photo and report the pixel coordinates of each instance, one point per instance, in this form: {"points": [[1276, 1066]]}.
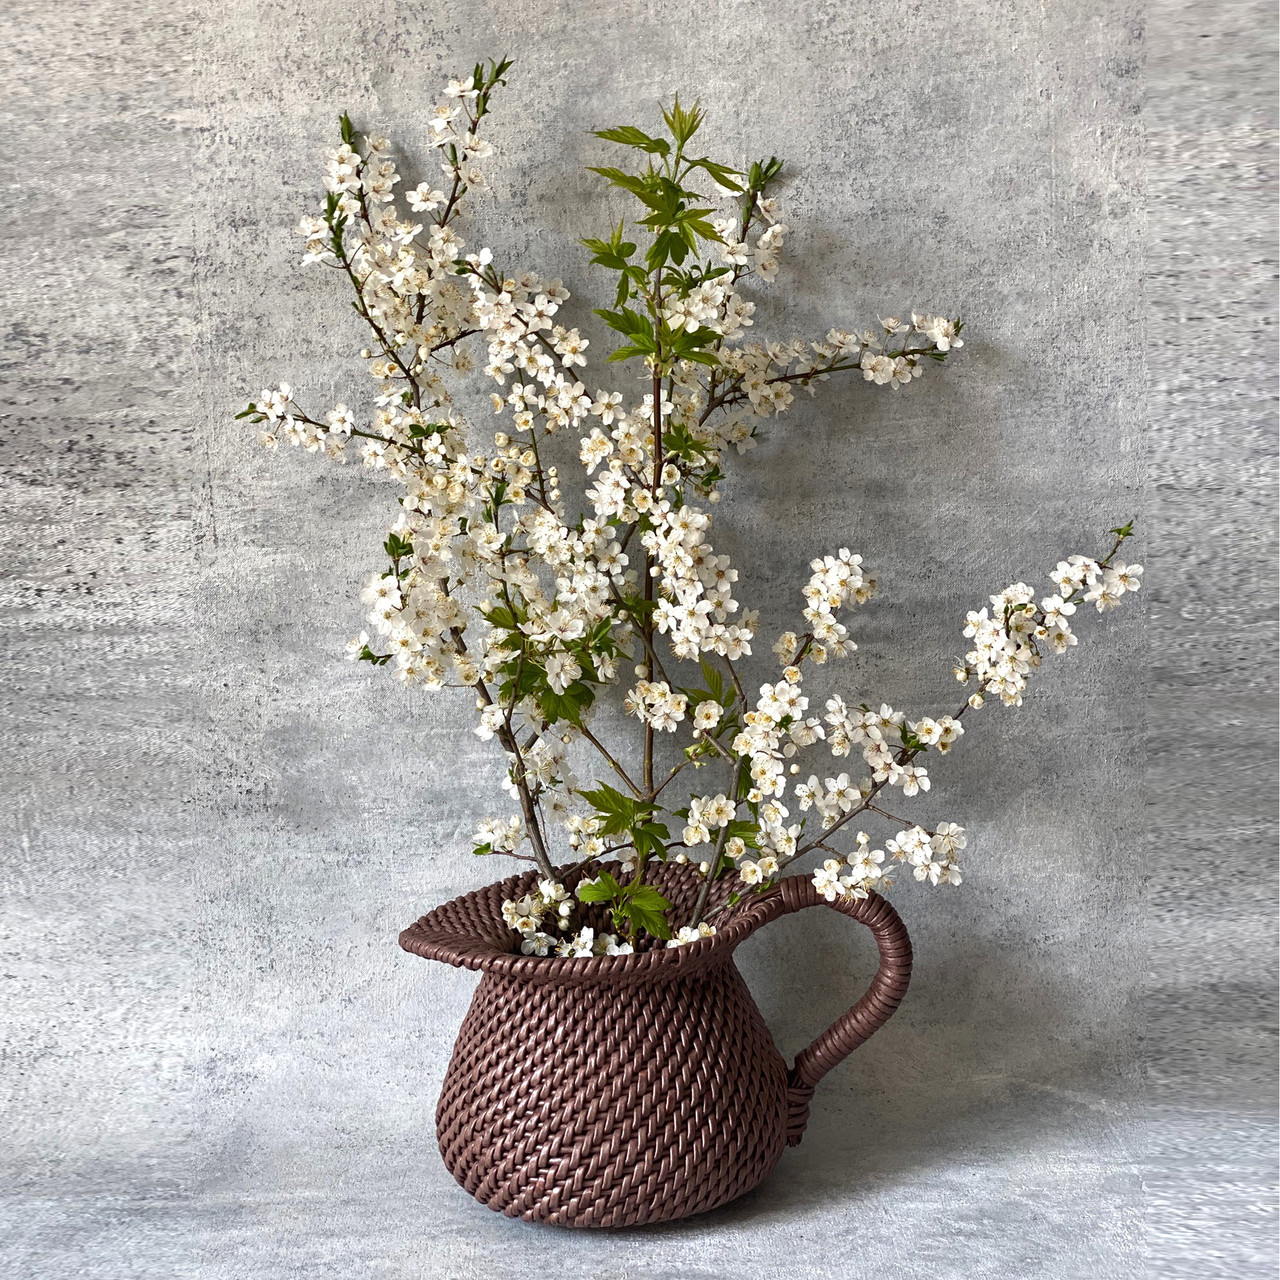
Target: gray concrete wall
{"points": [[219, 1064]]}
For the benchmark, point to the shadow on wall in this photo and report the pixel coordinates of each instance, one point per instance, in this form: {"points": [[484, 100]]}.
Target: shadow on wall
{"points": [[987, 1061]]}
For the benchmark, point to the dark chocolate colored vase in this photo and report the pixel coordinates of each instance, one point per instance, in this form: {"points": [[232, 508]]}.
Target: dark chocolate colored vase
{"points": [[620, 1090]]}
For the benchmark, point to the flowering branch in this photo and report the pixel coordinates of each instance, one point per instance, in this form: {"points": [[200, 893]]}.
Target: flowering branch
{"points": [[494, 583]]}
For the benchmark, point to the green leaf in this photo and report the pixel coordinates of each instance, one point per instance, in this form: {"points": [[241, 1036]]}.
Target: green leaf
{"points": [[629, 136], [680, 440], [648, 898], [762, 173], [714, 679], [568, 705], [607, 799], [644, 914], [626, 353], [695, 215], [639, 608], [682, 123], [617, 811], [500, 616], [605, 889], [667, 246], [629, 323], [720, 172], [612, 253], [644, 188], [649, 838]]}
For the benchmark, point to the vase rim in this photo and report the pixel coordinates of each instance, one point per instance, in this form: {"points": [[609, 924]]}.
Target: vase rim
{"points": [[470, 933]]}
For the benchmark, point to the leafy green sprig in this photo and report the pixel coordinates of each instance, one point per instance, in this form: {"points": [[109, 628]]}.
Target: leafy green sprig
{"points": [[676, 219]]}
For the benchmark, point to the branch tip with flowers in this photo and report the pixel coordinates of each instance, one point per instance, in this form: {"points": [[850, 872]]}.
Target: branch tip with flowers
{"points": [[493, 584]]}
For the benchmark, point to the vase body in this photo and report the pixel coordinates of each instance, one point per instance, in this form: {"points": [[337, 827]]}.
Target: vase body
{"points": [[600, 1106], [621, 1090]]}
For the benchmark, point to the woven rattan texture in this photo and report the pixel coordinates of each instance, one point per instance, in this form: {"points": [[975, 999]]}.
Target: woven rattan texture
{"points": [[616, 1091]]}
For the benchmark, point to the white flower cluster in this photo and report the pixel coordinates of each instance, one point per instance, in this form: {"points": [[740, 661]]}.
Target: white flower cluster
{"points": [[710, 305], [832, 799], [492, 583], [550, 898], [696, 587], [931, 856], [707, 814], [836, 581], [586, 942], [502, 835], [581, 831], [689, 933], [653, 702], [885, 369], [773, 732], [880, 735], [942, 733], [525, 915], [758, 871], [1007, 640], [409, 285], [854, 876], [518, 320], [765, 375]]}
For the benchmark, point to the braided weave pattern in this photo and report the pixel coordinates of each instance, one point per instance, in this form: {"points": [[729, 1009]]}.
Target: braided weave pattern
{"points": [[620, 1090]]}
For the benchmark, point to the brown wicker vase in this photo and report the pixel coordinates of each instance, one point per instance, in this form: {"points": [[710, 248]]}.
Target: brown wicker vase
{"points": [[621, 1090]]}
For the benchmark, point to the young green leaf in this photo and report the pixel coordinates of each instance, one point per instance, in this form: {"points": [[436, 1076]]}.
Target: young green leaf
{"points": [[604, 889], [641, 187], [646, 909], [647, 897], [397, 547], [649, 839], [720, 172], [629, 136], [713, 678], [682, 123]]}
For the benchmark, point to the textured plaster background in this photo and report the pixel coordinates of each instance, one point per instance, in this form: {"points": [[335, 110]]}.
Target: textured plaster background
{"points": [[218, 1064]]}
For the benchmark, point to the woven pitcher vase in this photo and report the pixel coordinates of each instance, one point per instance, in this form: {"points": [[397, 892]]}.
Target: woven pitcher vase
{"points": [[615, 1091]]}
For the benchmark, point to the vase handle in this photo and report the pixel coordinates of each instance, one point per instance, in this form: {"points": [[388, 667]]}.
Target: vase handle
{"points": [[868, 1015]]}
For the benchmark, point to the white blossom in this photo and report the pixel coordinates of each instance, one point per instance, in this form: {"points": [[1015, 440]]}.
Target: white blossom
{"points": [[542, 590]]}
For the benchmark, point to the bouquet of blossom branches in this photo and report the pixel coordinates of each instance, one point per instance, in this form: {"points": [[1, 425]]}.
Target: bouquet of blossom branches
{"points": [[496, 583]]}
